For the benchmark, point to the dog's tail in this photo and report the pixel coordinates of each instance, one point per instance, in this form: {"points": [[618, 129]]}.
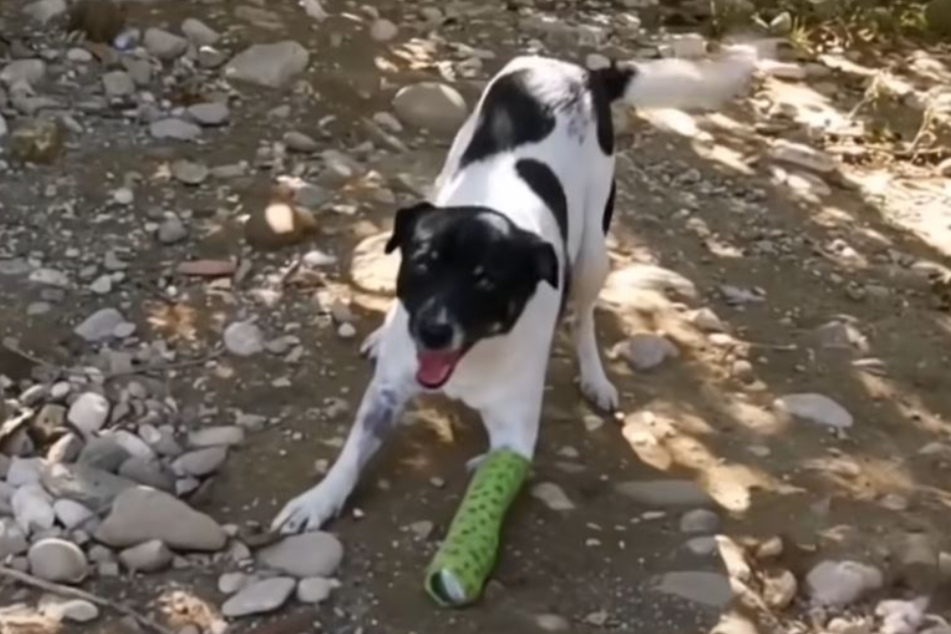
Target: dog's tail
{"points": [[676, 83]]}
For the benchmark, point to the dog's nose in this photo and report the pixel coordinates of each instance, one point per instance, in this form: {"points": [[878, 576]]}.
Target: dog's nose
{"points": [[435, 335]]}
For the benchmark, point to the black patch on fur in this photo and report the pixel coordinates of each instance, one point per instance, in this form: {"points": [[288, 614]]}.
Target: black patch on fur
{"points": [[547, 186], [473, 267], [609, 208], [608, 85], [511, 115]]}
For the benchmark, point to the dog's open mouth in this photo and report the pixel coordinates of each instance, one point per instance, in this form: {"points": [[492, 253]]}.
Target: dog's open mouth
{"points": [[436, 367]]}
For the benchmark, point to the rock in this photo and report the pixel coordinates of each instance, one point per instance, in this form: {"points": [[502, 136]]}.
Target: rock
{"points": [[84, 484], [552, 623], [803, 156], [431, 105], [189, 173], [699, 521], [383, 30], [150, 556], [314, 554], [707, 588], [300, 142], [232, 582], [200, 463], [314, 590], [33, 508], [149, 472], [70, 610], [66, 449], [199, 33], [373, 270], [270, 65], [89, 412], [281, 223], [841, 583], [71, 514], [243, 339], [172, 230], [175, 129], [45, 10], [259, 597], [902, 617], [552, 496], [12, 539], [780, 589], [215, 436], [29, 71], [141, 514], [103, 453], [708, 321], [99, 326], [703, 546], [646, 351], [164, 45], [23, 471], [938, 17], [210, 114], [57, 560], [207, 268], [666, 493], [814, 408], [38, 141], [118, 84]]}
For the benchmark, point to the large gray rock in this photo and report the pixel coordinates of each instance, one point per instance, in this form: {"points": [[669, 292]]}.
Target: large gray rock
{"points": [[150, 556], [431, 105], [84, 484], [12, 540], [814, 408], [164, 45], [314, 554], [271, 65], [141, 514], [89, 412], [100, 325], [258, 598]]}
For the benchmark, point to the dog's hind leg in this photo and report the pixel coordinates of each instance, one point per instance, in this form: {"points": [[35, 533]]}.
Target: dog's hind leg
{"points": [[590, 271], [391, 387]]}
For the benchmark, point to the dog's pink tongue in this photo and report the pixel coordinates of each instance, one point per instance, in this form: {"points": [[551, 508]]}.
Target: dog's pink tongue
{"points": [[436, 367]]}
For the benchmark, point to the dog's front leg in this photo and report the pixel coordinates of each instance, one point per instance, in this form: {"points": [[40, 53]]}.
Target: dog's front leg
{"points": [[379, 411]]}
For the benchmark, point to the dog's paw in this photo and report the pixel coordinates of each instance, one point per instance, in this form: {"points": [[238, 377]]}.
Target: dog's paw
{"points": [[601, 393], [308, 511], [371, 345]]}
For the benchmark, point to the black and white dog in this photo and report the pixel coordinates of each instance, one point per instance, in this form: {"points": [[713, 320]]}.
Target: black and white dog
{"points": [[516, 226]]}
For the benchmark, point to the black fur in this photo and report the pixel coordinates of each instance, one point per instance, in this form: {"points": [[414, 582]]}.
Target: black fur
{"points": [[607, 85], [546, 186], [472, 263], [511, 115], [609, 209]]}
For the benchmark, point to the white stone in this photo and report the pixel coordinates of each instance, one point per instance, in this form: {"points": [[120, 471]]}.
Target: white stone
{"points": [[70, 513], [210, 114], [12, 539], [70, 610], [902, 617], [260, 597], [89, 412], [200, 463], [708, 321], [314, 554], [383, 30], [803, 156], [135, 446], [57, 560], [646, 351], [164, 45], [142, 514], [214, 436], [50, 277], [271, 65], [117, 84], [552, 496], [431, 105], [33, 509], [175, 129], [243, 339], [231, 582], [699, 521], [814, 408], [780, 589], [314, 590], [100, 325], [150, 556], [840, 583]]}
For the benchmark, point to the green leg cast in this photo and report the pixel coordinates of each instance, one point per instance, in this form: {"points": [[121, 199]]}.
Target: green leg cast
{"points": [[460, 569]]}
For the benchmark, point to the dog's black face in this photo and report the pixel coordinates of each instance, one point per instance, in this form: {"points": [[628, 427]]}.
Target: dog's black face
{"points": [[466, 274]]}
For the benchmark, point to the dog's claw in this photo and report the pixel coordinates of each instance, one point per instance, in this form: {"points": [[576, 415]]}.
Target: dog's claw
{"points": [[602, 394], [309, 511]]}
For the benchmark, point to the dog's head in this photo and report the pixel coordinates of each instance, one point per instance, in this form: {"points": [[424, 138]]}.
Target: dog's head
{"points": [[466, 275]]}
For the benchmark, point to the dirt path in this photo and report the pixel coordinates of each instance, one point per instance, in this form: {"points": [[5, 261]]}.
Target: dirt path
{"points": [[772, 275]]}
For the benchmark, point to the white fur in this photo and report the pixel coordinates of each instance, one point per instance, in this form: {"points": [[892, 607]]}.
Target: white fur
{"points": [[503, 377]]}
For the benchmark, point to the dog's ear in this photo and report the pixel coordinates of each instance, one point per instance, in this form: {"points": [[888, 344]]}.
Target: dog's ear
{"points": [[405, 224], [546, 263]]}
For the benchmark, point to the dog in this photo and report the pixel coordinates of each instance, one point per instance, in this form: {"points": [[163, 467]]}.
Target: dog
{"points": [[515, 227]]}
